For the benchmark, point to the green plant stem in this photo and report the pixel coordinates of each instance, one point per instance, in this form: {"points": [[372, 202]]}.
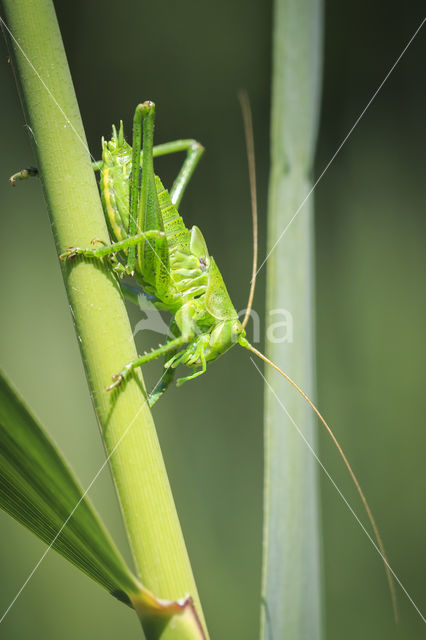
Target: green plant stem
{"points": [[291, 602], [101, 320]]}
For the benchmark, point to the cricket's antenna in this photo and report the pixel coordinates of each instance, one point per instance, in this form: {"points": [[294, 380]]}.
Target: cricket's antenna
{"points": [[248, 133], [380, 544]]}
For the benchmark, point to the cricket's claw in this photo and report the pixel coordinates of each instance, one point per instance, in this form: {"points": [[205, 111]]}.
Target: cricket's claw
{"points": [[119, 378], [98, 241], [23, 175], [69, 253]]}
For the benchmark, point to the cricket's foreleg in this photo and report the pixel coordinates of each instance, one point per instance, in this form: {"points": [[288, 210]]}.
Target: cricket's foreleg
{"points": [[202, 359], [193, 356], [169, 347], [194, 151]]}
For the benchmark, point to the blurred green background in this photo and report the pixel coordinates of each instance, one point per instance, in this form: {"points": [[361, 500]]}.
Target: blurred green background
{"points": [[191, 58]]}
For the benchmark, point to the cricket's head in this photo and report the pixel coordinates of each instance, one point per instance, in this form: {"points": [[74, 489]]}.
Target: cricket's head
{"points": [[208, 346], [222, 337]]}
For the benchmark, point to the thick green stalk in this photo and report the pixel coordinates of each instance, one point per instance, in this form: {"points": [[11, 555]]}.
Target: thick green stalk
{"points": [[97, 305], [291, 603]]}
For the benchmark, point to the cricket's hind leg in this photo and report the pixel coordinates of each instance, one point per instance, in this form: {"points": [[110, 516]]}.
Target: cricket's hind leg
{"points": [[170, 347], [150, 258], [194, 151], [168, 375], [183, 324]]}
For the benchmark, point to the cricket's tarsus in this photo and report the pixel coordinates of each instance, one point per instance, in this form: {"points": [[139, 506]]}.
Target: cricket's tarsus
{"points": [[23, 175]]}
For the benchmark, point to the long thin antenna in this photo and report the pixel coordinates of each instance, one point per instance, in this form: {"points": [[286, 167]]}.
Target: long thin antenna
{"points": [[248, 134], [389, 577]]}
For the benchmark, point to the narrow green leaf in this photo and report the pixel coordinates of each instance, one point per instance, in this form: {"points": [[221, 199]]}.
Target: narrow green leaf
{"points": [[38, 489], [291, 589], [104, 331]]}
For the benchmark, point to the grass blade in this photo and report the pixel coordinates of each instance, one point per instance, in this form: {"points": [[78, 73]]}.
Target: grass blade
{"points": [[38, 489], [291, 574], [101, 321]]}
